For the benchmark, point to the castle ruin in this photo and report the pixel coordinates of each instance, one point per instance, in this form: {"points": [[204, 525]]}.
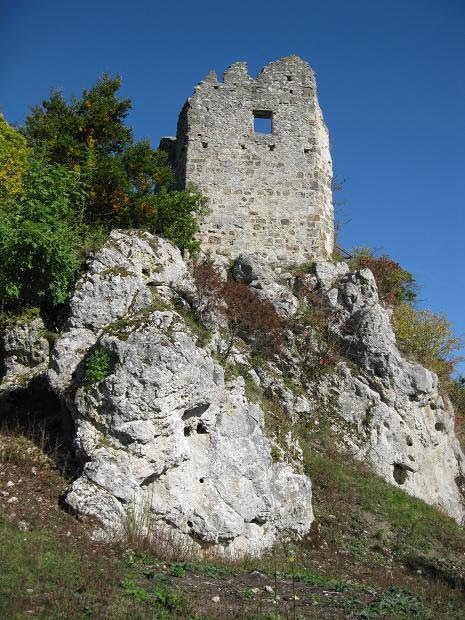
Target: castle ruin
{"points": [[259, 150]]}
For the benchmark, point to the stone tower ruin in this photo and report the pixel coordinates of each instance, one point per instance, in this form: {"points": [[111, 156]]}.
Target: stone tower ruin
{"points": [[259, 150]]}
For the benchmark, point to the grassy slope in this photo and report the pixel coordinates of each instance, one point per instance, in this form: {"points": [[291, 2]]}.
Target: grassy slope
{"points": [[361, 559]]}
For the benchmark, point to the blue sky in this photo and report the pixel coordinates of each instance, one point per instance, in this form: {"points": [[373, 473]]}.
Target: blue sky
{"points": [[391, 81]]}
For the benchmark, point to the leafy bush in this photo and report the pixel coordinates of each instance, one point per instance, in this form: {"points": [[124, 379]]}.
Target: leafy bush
{"points": [[319, 347], [395, 284], [97, 366], [209, 285], [456, 391], [426, 337], [177, 216], [254, 318], [40, 234]]}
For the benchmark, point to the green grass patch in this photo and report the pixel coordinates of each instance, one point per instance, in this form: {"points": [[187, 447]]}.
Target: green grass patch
{"points": [[43, 576], [339, 482], [97, 366]]}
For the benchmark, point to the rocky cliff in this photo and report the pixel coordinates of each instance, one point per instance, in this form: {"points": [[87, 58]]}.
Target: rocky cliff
{"points": [[165, 433]]}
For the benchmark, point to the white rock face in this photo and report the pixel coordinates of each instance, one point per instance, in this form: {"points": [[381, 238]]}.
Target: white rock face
{"points": [[398, 422], [165, 437], [402, 425], [25, 352], [163, 434], [119, 281]]}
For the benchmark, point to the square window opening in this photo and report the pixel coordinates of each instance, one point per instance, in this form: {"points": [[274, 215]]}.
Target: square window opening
{"points": [[262, 121]]}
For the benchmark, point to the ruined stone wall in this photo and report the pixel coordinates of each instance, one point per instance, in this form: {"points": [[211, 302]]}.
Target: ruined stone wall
{"points": [[269, 194]]}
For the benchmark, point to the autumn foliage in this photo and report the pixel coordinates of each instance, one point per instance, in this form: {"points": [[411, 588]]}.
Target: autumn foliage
{"points": [[247, 315], [395, 284]]}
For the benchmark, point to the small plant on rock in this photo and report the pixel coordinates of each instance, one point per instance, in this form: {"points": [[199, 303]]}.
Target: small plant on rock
{"points": [[319, 346], [209, 285], [253, 318], [97, 366]]}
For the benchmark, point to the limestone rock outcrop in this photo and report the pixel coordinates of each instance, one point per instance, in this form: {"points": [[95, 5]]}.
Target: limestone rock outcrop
{"points": [[391, 411], [405, 427], [164, 436], [25, 352], [163, 433]]}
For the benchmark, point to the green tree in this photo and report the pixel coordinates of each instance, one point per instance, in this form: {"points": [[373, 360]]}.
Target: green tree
{"points": [[63, 132], [73, 173], [129, 184], [89, 135]]}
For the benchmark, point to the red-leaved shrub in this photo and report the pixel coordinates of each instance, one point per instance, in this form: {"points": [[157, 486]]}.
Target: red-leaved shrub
{"points": [[246, 314]]}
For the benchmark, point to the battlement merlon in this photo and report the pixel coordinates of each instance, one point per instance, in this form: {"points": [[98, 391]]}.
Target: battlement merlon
{"points": [[269, 193]]}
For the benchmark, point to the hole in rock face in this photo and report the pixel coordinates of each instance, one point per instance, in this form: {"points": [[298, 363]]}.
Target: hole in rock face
{"points": [[411, 458], [400, 473], [201, 480], [386, 425], [289, 78], [36, 412], [190, 524], [409, 440], [204, 145], [272, 147], [201, 429], [460, 482], [440, 426], [145, 271], [243, 147], [187, 431], [195, 412], [306, 151]]}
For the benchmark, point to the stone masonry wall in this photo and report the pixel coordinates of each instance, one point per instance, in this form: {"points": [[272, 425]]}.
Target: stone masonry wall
{"points": [[269, 194]]}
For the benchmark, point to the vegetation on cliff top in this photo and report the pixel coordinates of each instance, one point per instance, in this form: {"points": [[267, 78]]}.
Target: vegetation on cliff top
{"points": [[69, 176]]}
